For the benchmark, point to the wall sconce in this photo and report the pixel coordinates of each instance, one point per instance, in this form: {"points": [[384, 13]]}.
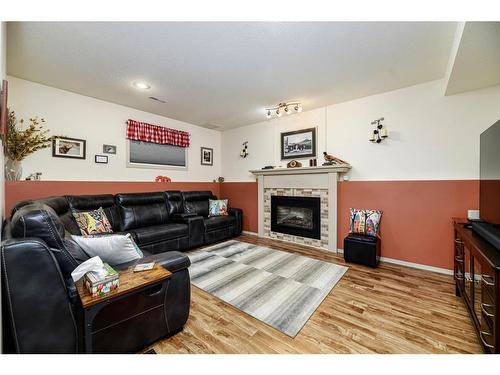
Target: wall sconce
{"points": [[244, 151], [380, 132]]}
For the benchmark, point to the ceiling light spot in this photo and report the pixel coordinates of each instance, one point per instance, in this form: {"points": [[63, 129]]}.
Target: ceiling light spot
{"points": [[141, 85]]}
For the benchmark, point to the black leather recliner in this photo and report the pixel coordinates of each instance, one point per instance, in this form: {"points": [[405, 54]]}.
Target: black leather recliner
{"points": [[37, 261], [216, 228], [39, 232]]}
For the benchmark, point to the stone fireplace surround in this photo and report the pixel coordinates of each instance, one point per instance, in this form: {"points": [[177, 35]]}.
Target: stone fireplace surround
{"points": [[297, 192], [307, 182]]}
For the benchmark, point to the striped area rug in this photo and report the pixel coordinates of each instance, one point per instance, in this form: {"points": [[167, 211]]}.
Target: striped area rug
{"points": [[281, 289]]}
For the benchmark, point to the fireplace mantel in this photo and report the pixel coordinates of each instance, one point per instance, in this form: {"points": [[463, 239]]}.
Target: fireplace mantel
{"points": [[315, 180], [339, 168]]}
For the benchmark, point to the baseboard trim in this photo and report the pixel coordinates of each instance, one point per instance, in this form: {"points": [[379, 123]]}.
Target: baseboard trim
{"points": [[249, 233], [443, 271]]}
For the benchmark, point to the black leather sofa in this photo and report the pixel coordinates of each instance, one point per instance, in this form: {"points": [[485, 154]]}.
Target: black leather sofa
{"points": [[38, 256]]}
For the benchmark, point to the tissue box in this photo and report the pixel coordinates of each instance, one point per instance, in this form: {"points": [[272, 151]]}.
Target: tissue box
{"points": [[99, 287]]}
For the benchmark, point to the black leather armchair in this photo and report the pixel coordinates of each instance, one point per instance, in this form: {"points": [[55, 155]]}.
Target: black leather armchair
{"points": [[37, 315], [37, 260]]}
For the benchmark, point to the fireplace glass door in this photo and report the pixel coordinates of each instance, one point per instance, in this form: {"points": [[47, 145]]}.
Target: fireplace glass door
{"points": [[299, 216]]}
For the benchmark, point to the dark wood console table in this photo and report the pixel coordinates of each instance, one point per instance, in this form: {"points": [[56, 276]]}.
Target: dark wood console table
{"points": [[138, 298], [477, 281]]}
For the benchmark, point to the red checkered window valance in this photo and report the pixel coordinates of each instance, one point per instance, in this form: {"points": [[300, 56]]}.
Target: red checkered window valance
{"points": [[141, 131]]}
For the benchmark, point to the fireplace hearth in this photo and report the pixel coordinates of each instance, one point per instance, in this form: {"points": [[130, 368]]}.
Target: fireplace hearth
{"points": [[298, 216]]}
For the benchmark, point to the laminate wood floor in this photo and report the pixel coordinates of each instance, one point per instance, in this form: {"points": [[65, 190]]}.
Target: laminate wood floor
{"points": [[390, 309]]}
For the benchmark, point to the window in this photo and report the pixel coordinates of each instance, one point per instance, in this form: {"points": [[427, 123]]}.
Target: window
{"points": [[153, 155]]}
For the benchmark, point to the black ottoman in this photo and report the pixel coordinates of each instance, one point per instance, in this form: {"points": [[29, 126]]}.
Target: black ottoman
{"points": [[362, 249]]}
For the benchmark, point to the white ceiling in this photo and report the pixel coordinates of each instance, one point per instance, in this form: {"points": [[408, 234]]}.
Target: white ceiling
{"points": [[476, 64], [225, 74]]}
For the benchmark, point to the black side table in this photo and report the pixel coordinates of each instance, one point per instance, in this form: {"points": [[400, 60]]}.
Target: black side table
{"points": [[118, 321], [362, 249]]}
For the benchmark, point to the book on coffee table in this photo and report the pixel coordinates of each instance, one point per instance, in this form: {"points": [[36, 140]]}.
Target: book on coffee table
{"points": [[144, 267]]}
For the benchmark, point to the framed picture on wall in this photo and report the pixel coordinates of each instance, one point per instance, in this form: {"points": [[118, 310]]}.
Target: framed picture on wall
{"points": [[101, 159], [207, 156], [72, 148], [298, 144], [109, 149]]}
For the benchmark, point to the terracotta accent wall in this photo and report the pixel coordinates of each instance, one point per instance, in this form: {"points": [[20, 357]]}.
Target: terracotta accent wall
{"points": [[16, 191], [416, 221], [243, 195]]}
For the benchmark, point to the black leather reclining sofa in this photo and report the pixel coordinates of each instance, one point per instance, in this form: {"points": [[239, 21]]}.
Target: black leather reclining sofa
{"points": [[40, 304]]}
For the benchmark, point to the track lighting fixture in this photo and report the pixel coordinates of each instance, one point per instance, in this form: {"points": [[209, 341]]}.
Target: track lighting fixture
{"points": [[288, 108]]}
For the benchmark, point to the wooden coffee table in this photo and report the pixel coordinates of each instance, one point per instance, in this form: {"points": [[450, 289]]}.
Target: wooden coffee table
{"points": [[130, 282]]}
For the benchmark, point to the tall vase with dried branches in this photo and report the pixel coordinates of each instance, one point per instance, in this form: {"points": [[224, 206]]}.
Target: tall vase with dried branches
{"points": [[22, 142]]}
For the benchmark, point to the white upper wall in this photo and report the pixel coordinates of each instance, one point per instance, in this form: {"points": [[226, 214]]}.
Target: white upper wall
{"points": [[431, 136], [99, 123], [3, 50]]}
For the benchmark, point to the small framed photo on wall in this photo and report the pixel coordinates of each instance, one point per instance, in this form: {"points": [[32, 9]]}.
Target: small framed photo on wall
{"points": [[108, 149], [101, 159], [72, 148], [207, 156]]}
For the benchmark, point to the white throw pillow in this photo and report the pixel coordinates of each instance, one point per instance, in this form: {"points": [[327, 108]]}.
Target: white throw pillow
{"points": [[112, 249]]}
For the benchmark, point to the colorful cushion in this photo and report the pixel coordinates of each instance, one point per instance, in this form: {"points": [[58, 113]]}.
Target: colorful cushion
{"points": [[365, 222], [217, 207], [93, 222]]}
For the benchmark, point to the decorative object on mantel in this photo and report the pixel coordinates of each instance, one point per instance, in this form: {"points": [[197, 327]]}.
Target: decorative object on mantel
{"points": [[36, 176], [283, 108], [101, 159], [141, 131], [332, 160], [108, 149], [244, 151], [269, 167], [72, 148], [313, 162], [219, 179], [163, 179], [380, 133], [21, 143], [207, 156], [294, 164], [298, 144]]}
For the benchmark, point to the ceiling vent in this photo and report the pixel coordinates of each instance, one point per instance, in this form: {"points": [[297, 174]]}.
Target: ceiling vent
{"points": [[157, 100]]}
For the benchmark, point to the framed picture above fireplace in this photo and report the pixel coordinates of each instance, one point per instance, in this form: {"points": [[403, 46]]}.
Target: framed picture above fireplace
{"points": [[298, 144]]}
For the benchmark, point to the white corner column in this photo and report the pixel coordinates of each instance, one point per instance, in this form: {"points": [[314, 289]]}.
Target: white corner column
{"points": [[260, 196], [332, 211]]}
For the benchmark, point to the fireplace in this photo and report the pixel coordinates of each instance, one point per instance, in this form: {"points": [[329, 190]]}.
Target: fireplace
{"points": [[298, 216]]}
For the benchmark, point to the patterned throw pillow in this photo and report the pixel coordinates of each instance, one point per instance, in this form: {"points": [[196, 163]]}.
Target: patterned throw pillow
{"points": [[93, 222], [217, 207], [365, 222]]}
